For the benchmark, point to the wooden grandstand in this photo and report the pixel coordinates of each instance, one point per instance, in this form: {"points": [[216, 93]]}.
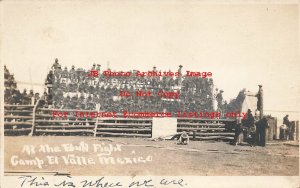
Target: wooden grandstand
{"points": [[35, 121]]}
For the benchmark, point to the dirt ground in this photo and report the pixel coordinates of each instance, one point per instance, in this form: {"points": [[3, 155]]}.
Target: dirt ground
{"points": [[199, 158]]}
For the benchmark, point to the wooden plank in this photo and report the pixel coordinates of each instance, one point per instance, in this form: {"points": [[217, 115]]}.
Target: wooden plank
{"points": [[63, 121], [126, 127], [101, 118], [123, 134], [214, 134], [204, 119], [200, 124], [17, 105], [125, 124], [198, 129], [17, 130], [44, 115], [17, 123], [66, 110], [17, 111], [127, 119], [64, 126], [69, 117], [122, 129], [64, 131], [17, 117]]}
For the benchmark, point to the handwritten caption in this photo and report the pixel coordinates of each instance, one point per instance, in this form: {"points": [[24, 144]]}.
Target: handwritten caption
{"points": [[76, 155], [102, 182]]}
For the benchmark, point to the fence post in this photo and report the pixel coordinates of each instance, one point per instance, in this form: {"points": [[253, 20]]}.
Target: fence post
{"points": [[33, 118], [97, 120]]}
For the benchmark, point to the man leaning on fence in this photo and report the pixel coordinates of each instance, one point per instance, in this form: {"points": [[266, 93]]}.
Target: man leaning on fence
{"points": [[287, 122]]}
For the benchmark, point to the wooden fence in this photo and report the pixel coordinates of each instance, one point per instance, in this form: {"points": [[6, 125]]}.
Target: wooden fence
{"points": [[204, 129], [18, 119], [33, 120]]}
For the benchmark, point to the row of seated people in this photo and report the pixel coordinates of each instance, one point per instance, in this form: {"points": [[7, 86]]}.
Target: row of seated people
{"points": [[12, 94], [118, 104]]}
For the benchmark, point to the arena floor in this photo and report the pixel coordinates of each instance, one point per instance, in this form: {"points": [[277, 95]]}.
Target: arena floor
{"points": [[137, 156]]}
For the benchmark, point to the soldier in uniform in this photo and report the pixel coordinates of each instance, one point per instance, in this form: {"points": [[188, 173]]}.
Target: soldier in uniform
{"points": [[219, 99], [66, 102], [24, 97], [94, 67], [180, 70], [57, 73], [74, 101], [248, 125], [36, 97], [171, 83], [43, 102], [98, 68], [249, 121], [65, 74], [90, 104], [14, 84], [30, 96], [58, 97], [261, 127], [287, 122], [49, 99], [82, 101], [49, 79], [55, 64], [72, 74], [6, 72], [259, 96], [96, 99]]}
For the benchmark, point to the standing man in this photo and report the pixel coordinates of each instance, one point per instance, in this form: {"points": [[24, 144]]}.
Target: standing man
{"points": [[179, 78], [259, 104], [261, 127], [55, 64], [98, 68], [219, 99], [250, 128], [287, 122], [259, 96]]}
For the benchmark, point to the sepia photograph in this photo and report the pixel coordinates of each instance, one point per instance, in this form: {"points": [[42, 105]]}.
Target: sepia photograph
{"points": [[150, 93]]}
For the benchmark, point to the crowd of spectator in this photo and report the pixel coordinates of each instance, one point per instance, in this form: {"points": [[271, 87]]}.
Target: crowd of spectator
{"points": [[12, 94], [235, 104], [74, 89]]}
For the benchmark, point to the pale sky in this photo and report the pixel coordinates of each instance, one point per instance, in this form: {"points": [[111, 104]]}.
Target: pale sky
{"points": [[243, 45]]}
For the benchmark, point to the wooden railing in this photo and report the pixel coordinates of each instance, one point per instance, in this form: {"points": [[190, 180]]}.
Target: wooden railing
{"points": [[34, 121], [18, 119], [205, 129]]}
